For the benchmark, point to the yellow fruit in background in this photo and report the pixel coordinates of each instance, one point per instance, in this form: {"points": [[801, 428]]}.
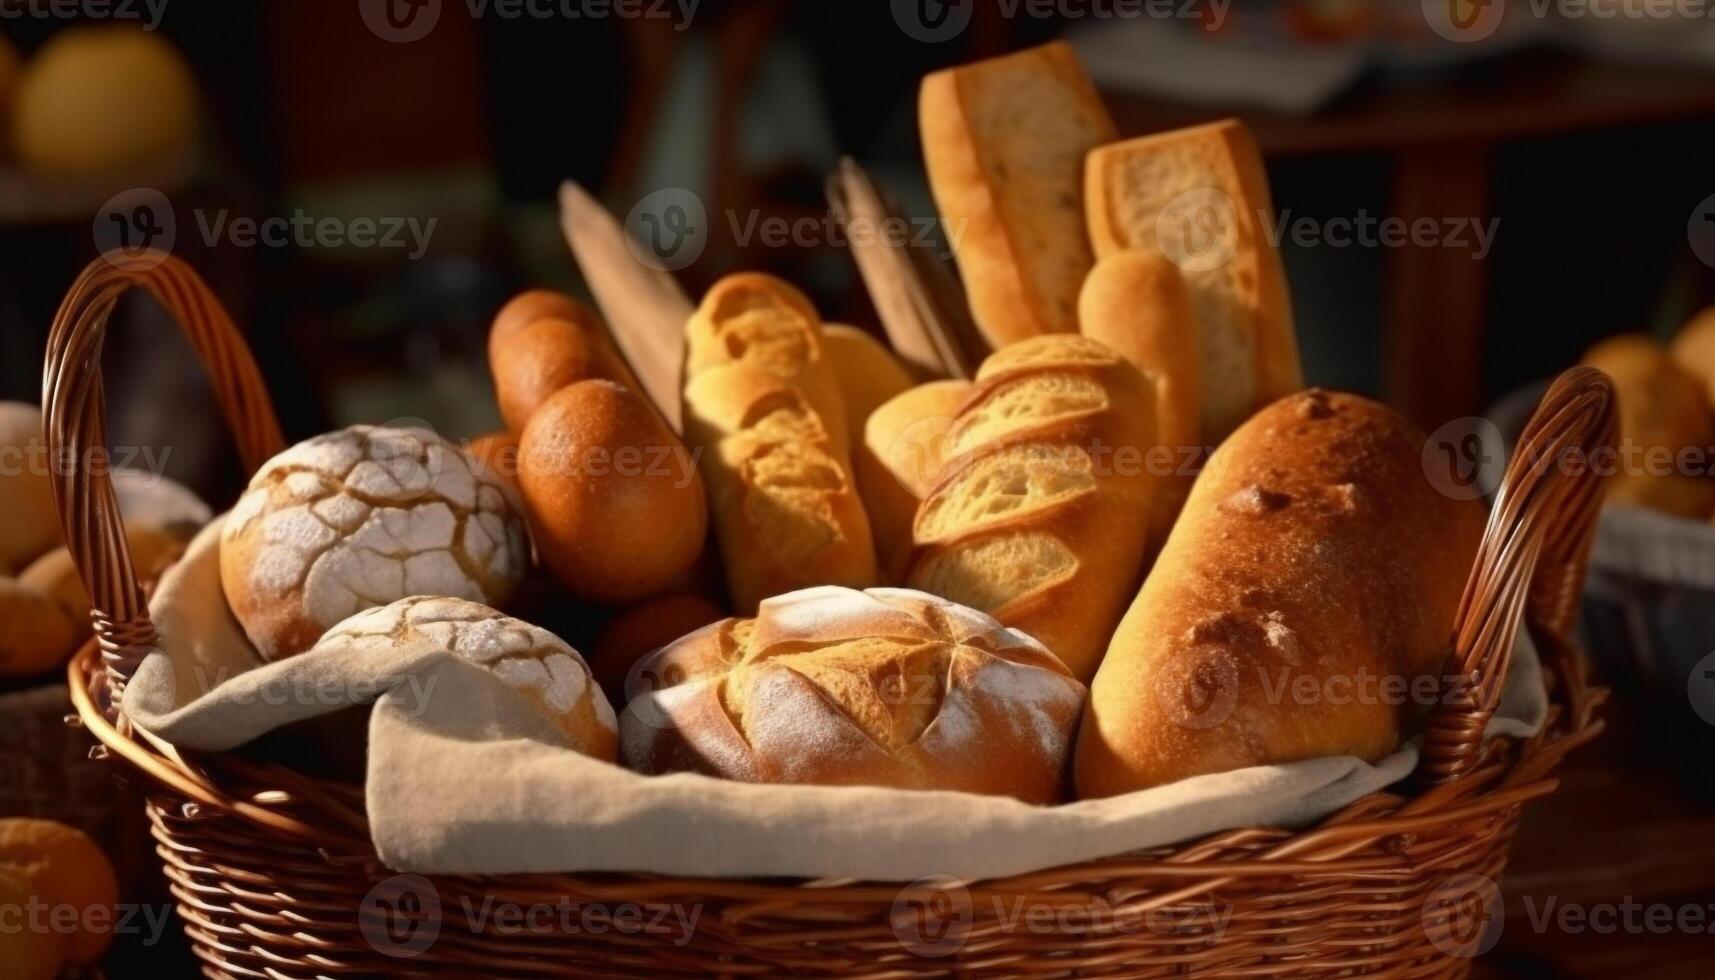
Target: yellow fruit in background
{"points": [[26, 953], [103, 104], [65, 867]]}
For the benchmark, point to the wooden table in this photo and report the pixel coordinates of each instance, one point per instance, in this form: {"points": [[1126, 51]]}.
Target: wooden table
{"points": [[1440, 132]]}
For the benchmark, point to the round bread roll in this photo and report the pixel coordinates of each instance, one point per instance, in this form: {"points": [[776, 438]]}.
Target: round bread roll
{"points": [[32, 524], [903, 446], [541, 342], [1694, 351], [867, 372], [642, 630], [1663, 412], [37, 636], [55, 576], [64, 867], [359, 518], [550, 674], [616, 505], [29, 954], [831, 686]]}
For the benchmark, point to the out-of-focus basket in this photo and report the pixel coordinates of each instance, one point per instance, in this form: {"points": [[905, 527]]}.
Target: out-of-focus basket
{"points": [[45, 768], [275, 875]]}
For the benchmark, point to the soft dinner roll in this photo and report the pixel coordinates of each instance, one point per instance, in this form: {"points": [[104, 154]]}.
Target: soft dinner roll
{"points": [[1138, 304], [31, 526], [65, 867], [549, 674], [1314, 574], [616, 506], [1693, 349], [832, 686], [38, 636], [904, 441], [29, 954], [1004, 143], [1664, 412], [54, 575], [1040, 515], [867, 372], [1200, 197], [542, 342], [643, 629], [762, 407], [359, 518]]}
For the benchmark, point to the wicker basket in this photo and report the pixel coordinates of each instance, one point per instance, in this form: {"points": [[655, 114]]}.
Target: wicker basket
{"points": [[275, 875]]}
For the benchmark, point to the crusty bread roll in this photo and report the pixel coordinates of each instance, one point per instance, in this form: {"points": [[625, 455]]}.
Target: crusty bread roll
{"points": [[1040, 515], [832, 686], [55, 576], [1004, 143], [867, 372], [1200, 197], [550, 674], [762, 407], [643, 629], [902, 451], [37, 637], [616, 506], [1663, 413], [1693, 349], [359, 518], [542, 342], [1138, 304], [31, 526], [1312, 554]]}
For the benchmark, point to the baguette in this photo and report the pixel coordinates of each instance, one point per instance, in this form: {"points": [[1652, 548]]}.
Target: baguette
{"points": [[1137, 303], [1200, 196], [903, 442], [541, 342], [762, 407], [1004, 143], [1312, 548], [1040, 516], [867, 372]]}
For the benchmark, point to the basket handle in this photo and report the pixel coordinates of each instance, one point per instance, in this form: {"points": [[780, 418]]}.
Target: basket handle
{"points": [[75, 410], [1530, 565]]}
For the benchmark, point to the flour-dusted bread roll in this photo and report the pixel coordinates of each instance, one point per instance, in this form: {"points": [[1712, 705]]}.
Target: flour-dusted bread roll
{"points": [[831, 686], [1200, 197], [358, 518], [904, 441], [867, 372], [550, 674], [541, 342], [616, 505], [1667, 433], [1040, 516], [1138, 304], [1693, 349], [763, 409], [1312, 578], [30, 526], [1004, 143]]}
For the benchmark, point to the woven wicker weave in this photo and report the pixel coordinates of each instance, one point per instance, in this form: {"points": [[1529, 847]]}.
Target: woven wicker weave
{"points": [[275, 875]]}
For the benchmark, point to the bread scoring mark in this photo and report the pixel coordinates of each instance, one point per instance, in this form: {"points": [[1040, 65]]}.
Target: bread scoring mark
{"points": [[1032, 401], [991, 571], [1008, 484], [1314, 404], [1256, 500]]}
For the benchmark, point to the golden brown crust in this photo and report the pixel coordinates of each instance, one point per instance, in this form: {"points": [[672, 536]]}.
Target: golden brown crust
{"points": [[38, 636], [1312, 556], [1663, 412], [867, 372], [1693, 349], [898, 461]]}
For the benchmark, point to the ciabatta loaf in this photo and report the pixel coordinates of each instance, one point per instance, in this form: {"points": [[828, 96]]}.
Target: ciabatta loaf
{"points": [[1310, 583], [832, 686], [1200, 197], [1040, 516], [762, 406], [1004, 143]]}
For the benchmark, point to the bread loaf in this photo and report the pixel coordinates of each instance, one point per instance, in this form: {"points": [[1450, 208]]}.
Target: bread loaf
{"points": [[903, 442], [762, 408], [867, 372], [1313, 576], [1004, 143], [55, 575], [541, 342], [641, 630], [1693, 349], [38, 636], [617, 509], [32, 526], [1040, 515], [1200, 197], [1137, 304], [1663, 413], [831, 686]]}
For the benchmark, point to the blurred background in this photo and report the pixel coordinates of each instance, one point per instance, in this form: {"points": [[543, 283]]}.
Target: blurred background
{"points": [[1556, 157]]}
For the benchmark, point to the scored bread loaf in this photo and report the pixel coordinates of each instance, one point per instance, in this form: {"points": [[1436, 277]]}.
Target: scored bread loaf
{"points": [[1663, 414], [1200, 197], [1138, 304], [832, 686], [763, 408], [903, 441], [1004, 143], [1313, 576], [1040, 515]]}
